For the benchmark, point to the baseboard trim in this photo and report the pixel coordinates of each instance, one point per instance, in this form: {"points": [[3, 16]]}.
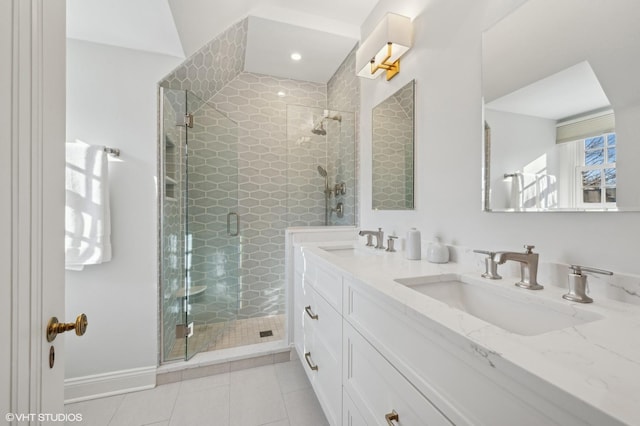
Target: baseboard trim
{"points": [[107, 384]]}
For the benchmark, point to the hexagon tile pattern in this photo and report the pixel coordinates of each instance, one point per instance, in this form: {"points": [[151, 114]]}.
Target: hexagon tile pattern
{"points": [[393, 126], [256, 140], [212, 67], [343, 94], [252, 101]]}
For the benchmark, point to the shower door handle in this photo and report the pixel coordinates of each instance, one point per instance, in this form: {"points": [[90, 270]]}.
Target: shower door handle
{"points": [[237, 231]]}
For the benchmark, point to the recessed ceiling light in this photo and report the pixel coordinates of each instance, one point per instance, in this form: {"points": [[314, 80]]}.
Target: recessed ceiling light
{"points": [[296, 56], [281, 94]]}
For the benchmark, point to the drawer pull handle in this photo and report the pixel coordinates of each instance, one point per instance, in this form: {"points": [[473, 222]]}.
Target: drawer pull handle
{"points": [[307, 357], [311, 314], [390, 417]]}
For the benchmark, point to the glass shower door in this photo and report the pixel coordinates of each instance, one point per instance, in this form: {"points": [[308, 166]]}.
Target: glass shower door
{"points": [[212, 225], [199, 238]]}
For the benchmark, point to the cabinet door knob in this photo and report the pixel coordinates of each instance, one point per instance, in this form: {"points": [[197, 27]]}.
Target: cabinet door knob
{"points": [[310, 313], [390, 417], [307, 357]]}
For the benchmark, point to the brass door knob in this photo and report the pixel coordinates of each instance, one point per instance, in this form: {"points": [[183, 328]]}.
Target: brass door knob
{"points": [[54, 327]]}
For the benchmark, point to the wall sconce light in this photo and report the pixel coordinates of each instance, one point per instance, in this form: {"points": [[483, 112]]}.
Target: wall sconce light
{"points": [[382, 49]]}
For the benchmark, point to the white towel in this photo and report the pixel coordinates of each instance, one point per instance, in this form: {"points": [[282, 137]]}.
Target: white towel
{"points": [[87, 214]]}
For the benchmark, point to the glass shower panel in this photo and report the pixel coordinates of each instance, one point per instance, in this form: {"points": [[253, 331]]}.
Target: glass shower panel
{"points": [[199, 224], [172, 221], [212, 242], [321, 183]]}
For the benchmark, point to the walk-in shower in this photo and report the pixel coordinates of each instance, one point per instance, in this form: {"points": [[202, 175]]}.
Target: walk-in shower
{"points": [[223, 215]]}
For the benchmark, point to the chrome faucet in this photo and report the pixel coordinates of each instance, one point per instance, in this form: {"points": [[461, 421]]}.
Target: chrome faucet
{"points": [[528, 266], [379, 237]]}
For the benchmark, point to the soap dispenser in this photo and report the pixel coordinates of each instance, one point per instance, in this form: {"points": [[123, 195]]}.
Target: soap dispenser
{"points": [[578, 283]]}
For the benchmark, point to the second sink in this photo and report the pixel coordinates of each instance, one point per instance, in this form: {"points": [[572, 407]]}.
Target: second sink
{"points": [[505, 308]]}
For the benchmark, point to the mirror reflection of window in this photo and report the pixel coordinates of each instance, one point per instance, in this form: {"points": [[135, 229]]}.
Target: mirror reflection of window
{"points": [[550, 67], [598, 171]]}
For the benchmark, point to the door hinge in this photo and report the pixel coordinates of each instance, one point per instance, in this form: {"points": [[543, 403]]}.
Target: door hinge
{"points": [[188, 120], [184, 330]]}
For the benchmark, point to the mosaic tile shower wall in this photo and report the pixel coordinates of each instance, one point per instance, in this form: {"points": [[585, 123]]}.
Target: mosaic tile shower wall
{"points": [[306, 151], [212, 255], [252, 101], [214, 66], [265, 167], [392, 155], [343, 94]]}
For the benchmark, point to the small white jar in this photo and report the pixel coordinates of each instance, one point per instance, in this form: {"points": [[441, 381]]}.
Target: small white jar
{"points": [[437, 252]]}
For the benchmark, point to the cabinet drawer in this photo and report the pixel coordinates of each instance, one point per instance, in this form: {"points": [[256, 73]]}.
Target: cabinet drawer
{"points": [[378, 390], [326, 375], [350, 414], [318, 334], [326, 282]]}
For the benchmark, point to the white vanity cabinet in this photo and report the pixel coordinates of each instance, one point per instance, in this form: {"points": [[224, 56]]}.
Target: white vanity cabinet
{"points": [[370, 357], [318, 333], [381, 394]]}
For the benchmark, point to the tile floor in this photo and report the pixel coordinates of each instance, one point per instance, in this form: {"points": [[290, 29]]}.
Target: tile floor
{"points": [[272, 395], [242, 332]]}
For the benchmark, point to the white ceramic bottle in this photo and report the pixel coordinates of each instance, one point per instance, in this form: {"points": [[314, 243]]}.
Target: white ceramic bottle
{"points": [[412, 249], [437, 252]]}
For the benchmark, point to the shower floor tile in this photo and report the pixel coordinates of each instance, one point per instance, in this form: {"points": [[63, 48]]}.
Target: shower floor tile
{"points": [[210, 337]]}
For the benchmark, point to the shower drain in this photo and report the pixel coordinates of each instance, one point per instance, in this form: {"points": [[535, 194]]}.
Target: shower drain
{"points": [[266, 333]]}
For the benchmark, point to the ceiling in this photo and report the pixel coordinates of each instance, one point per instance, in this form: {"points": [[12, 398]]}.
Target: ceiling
{"points": [[570, 92], [323, 32]]}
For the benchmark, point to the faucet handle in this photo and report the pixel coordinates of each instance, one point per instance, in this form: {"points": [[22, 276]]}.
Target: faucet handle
{"points": [[390, 241], [529, 249], [369, 240], [491, 267], [578, 270], [488, 253]]}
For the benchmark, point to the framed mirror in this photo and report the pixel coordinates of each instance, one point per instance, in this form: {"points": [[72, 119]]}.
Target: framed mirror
{"points": [[562, 108], [392, 147]]}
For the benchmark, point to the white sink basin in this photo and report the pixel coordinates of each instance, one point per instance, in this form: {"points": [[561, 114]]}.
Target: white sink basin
{"points": [[511, 309], [348, 251]]}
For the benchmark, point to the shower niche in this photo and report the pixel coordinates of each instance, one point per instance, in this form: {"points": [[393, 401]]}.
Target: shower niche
{"points": [[321, 183]]}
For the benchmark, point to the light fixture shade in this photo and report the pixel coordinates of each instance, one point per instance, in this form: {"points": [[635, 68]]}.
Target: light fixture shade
{"points": [[395, 30]]}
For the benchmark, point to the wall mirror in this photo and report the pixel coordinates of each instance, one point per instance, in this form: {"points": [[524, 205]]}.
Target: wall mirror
{"points": [[392, 146], [562, 108]]}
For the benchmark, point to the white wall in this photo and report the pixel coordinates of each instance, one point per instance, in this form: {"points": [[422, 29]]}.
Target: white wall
{"points": [[112, 100], [446, 63], [518, 142]]}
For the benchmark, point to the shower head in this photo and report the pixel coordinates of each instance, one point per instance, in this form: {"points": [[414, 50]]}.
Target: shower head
{"points": [[318, 129], [322, 171]]}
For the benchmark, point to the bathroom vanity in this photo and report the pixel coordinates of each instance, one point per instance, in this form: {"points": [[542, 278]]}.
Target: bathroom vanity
{"points": [[385, 340]]}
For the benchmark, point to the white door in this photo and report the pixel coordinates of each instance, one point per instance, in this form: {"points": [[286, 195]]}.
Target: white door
{"points": [[32, 135]]}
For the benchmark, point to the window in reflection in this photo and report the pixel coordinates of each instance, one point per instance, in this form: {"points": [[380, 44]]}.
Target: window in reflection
{"points": [[597, 172]]}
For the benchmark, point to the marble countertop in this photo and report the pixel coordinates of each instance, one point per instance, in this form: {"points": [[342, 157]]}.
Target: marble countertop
{"points": [[597, 362]]}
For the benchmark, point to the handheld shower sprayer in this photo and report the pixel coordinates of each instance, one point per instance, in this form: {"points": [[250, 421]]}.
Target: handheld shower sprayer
{"points": [[323, 172]]}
